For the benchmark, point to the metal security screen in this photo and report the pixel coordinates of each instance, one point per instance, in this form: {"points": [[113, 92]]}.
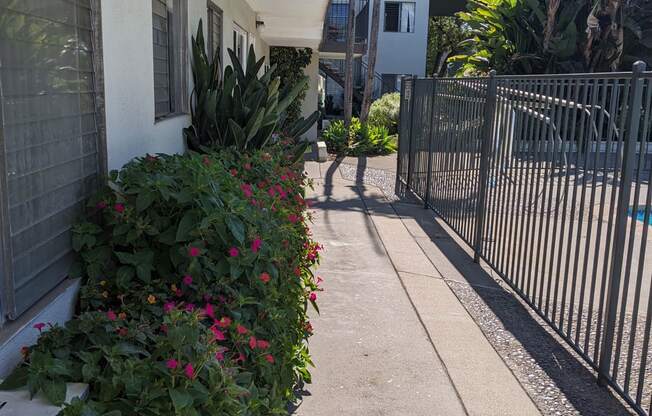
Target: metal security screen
{"points": [[49, 141], [548, 179], [215, 30], [163, 75]]}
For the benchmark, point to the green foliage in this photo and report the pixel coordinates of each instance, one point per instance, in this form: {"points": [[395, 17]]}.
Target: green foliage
{"points": [[290, 64], [385, 112], [200, 259], [239, 109], [528, 37], [445, 33], [360, 139]]}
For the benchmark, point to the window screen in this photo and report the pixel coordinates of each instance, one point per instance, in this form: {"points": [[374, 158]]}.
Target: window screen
{"points": [[215, 27], [400, 17], [169, 34], [49, 160]]}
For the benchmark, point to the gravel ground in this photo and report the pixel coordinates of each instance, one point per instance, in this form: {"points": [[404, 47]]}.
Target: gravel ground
{"points": [[555, 377]]}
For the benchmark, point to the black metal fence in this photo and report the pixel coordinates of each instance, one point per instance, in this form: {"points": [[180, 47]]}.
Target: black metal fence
{"points": [[547, 179]]}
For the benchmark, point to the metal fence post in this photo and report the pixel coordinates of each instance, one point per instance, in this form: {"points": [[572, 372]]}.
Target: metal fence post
{"points": [[432, 137], [487, 138], [399, 163], [412, 100], [620, 228]]}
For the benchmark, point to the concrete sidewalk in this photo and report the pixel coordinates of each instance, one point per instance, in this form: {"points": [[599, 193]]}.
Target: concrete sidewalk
{"points": [[392, 338]]}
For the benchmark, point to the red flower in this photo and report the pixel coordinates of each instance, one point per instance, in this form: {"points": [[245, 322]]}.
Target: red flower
{"points": [[187, 280], [272, 192], [297, 271], [190, 307], [119, 208], [241, 329], [189, 371], [247, 166], [234, 252], [265, 277], [241, 357], [284, 177], [269, 358], [252, 342], [225, 322], [219, 356], [206, 161], [172, 364], [217, 334], [313, 296], [246, 189], [39, 326], [209, 311], [262, 344], [111, 315], [234, 172], [256, 244], [293, 218], [194, 251], [123, 332]]}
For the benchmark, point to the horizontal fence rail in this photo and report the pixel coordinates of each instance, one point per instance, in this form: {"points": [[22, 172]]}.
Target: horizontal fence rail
{"points": [[547, 179]]}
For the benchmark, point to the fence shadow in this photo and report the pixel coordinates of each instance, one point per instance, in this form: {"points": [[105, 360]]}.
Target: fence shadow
{"points": [[568, 372]]}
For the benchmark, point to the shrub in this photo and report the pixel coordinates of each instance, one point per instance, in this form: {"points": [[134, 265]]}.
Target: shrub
{"points": [[196, 284], [385, 112], [360, 139], [239, 109], [290, 64]]}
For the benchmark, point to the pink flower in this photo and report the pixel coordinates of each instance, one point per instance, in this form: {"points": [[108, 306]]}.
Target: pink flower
{"points": [[252, 342], [265, 277], [209, 311], [172, 364], [241, 357], [217, 334], [234, 172], [187, 280], [190, 307], [313, 296], [319, 279], [272, 192], [194, 251], [119, 208], [269, 358], [293, 218], [256, 244], [247, 166], [39, 326], [234, 252], [101, 205], [262, 344], [111, 315], [246, 189], [206, 161], [241, 329], [225, 322], [189, 371], [219, 356], [164, 328], [169, 306], [284, 177]]}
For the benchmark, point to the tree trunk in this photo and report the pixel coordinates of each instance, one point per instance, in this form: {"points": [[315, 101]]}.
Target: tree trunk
{"points": [[348, 83], [371, 63]]}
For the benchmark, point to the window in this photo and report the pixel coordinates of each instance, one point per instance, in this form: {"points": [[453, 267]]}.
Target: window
{"points": [[240, 44], [399, 17], [169, 25], [389, 82], [215, 28]]}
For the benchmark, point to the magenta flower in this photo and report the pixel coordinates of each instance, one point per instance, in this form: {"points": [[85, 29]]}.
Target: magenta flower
{"points": [[256, 244], [262, 344], [234, 252], [39, 326], [313, 296], [241, 329], [241, 357], [193, 252], [190, 307], [284, 177], [225, 322], [269, 358], [189, 371], [111, 315], [293, 218], [169, 306], [252, 342], [209, 311], [217, 334], [101, 205], [119, 208], [272, 192], [219, 356], [187, 280], [247, 190], [265, 277], [172, 364]]}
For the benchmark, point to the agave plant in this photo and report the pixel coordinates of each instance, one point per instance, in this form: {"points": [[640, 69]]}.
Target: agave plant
{"points": [[239, 109]]}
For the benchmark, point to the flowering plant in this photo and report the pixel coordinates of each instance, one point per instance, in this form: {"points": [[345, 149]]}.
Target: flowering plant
{"points": [[202, 264]]}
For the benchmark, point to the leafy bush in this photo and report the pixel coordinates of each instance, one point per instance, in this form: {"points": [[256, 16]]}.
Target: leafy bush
{"points": [[196, 284], [239, 109], [385, 112], [290, 64], [360, 139]]}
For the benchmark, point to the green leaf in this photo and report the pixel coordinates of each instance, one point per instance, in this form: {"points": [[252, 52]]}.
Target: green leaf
{"points": [[181, 399], [144, 200], [188, 222], [237, 228], [54, 391], [15, 380], [124, 276]]}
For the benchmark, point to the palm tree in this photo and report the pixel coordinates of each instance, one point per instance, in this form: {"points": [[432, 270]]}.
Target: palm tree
{"points": [[371, 64]]}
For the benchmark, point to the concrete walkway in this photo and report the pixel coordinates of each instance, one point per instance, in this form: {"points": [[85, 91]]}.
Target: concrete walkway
{"points": [[392, 338]]}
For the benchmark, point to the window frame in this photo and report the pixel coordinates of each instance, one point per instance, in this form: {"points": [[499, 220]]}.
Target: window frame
{"points": [[214, 10], [177, 32], [400, 5], [240, 31]]}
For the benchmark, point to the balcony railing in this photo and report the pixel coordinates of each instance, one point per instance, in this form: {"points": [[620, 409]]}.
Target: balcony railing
{"points": [[335, 27]]}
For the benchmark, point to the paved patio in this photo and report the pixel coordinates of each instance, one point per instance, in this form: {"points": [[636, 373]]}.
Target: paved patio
{"points": [[392, 337]]}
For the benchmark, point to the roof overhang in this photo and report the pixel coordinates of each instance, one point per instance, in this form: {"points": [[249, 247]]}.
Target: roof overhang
{"points": [[446, 7], [295, 23]]}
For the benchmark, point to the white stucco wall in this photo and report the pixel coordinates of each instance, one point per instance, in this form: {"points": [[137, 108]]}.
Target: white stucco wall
{"points": [[403, 53], [129, 75], [311, 102]]}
